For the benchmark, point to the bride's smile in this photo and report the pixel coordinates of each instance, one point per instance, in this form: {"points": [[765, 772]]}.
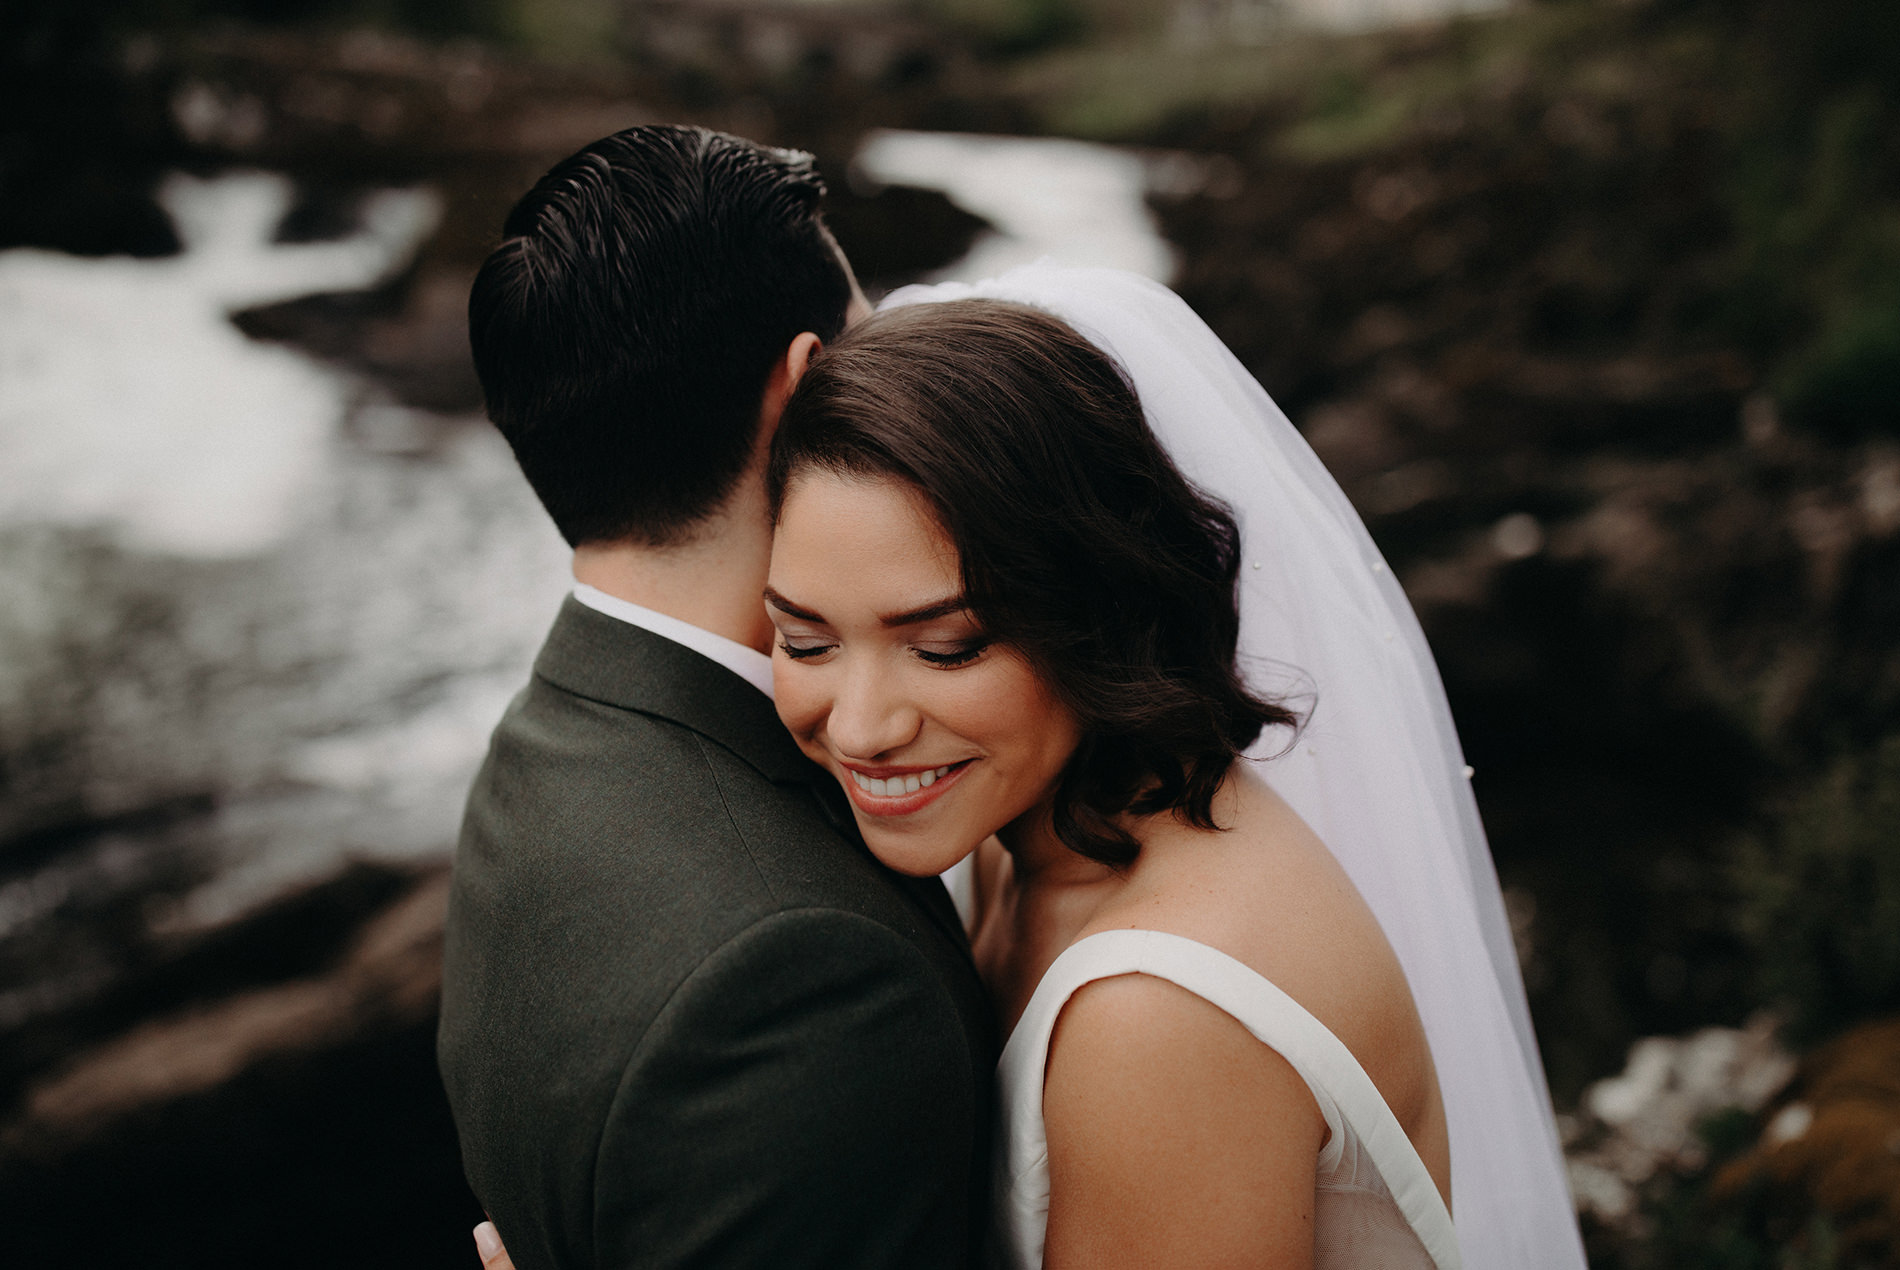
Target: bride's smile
{"points": [[939, 735]]}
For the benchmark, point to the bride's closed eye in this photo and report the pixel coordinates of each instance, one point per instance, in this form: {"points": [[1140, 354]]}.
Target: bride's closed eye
{"points": [[959, 655], [800, 652], [947, 657]]}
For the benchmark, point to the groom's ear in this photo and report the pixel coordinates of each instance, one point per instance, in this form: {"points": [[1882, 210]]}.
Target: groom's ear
{"points": [[786, 373]]}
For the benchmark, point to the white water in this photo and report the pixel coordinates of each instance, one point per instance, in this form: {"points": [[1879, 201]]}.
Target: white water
{"points": [[1246, 22], [128, 400], [209, 589], [1365, 15], [1072, 201]]}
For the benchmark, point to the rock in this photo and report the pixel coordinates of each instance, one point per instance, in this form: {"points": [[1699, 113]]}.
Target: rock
{"points": [[1831, 1148], [390, 978], [1646, 1121], [283, 1124]]}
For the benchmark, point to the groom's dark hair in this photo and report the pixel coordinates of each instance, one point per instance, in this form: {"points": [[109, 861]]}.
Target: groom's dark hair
{"points": [[625, 328]]}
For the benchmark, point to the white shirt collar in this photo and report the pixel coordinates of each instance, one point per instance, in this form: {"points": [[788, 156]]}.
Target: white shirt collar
{"points": [[749, 664]]}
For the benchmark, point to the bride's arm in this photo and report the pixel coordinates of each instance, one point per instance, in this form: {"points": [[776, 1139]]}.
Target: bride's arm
{"points": [[1175, 1137]]}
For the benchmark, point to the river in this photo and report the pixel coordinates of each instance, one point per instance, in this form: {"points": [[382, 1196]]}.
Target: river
{"points": [[258, 615]]}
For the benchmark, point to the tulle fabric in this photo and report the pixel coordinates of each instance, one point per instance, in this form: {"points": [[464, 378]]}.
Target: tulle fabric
{"points": [[1377, 772]]}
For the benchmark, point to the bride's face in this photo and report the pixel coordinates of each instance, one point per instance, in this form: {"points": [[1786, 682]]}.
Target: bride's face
{"points": [[940, 736]]}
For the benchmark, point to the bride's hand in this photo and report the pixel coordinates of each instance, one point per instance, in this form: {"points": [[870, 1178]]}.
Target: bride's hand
{"points": [[488, 1247]]}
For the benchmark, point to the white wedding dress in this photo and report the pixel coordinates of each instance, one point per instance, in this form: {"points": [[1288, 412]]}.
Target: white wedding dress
{"points": [[1378, 774], [1377, 1207]]}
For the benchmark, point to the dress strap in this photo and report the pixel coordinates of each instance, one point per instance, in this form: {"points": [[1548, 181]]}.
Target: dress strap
{"points": [[1345, 1094]]}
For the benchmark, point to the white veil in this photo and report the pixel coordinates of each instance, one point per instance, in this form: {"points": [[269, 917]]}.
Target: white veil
{"points": [[1378, 772]]}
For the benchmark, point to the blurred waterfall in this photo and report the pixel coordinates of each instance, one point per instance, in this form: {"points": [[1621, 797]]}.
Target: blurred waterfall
{"points": [[255, 619], [1075, 201]]}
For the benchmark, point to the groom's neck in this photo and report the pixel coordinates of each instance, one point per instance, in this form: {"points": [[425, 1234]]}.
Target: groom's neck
{"points": [[713, 581]]}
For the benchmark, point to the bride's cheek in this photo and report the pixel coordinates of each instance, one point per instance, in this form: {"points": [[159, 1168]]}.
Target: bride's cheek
{"points": [[800, 709]]}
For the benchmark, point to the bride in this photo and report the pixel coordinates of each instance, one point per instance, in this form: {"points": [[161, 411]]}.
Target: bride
{"points": [[1061, 595], [1259, 1013]]}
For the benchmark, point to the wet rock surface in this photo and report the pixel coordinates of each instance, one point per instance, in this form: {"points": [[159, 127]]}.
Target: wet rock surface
{"points": [[1647, 1120], [288, 1120], [1824, 1175]]}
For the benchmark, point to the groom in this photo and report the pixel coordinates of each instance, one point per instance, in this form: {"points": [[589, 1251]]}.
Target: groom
{"points": [[687, 1019]]}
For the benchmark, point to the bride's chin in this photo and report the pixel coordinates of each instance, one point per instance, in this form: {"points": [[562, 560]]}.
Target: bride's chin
{"points": [[917, 859]]}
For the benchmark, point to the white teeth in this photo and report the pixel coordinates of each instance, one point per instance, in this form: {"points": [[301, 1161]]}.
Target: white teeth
{"points": [[892, 787]]}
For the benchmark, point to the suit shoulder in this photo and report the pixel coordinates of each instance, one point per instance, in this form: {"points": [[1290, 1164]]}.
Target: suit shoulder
{"points": [[814, 1090], [813, 943], [827, 980]]}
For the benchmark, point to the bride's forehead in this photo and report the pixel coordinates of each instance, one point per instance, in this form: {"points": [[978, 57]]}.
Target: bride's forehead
{"points": [[851, 501], [866, 529]]}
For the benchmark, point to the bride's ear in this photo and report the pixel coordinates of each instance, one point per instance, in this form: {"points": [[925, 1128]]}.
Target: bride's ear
{"points": [[786, 373]]}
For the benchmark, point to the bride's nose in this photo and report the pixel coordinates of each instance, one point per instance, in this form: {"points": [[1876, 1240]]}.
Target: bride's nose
{"points": [[870, 716]]}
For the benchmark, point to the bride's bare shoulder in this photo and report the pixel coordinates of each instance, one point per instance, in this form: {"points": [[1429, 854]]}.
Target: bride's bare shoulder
{"points": [[1174, 1137], [1265, 890], [1262, 888]]}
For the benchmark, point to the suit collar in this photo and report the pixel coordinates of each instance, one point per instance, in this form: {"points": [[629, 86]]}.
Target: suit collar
{"points": [[613, 662], [618, 664]]}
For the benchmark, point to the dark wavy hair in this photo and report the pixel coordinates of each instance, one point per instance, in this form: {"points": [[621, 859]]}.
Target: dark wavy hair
{"points": [[1081, 543], [625, 328]]}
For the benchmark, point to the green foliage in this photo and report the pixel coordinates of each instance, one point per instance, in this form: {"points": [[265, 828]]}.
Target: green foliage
{"points": [[1819, 897], [1799, 101], [1011, 27], [1692, 1233], [565, 30], [559, 28], [1847, 381], [1689, 1223], [1346, 118], [1815, 201]]}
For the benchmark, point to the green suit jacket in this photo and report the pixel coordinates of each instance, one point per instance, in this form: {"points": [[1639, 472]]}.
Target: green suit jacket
{"points": [[687, 1019]]}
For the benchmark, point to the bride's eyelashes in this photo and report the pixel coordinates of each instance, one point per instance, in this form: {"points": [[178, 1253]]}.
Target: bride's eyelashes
{"points": [[960, 656], [800, 652]]}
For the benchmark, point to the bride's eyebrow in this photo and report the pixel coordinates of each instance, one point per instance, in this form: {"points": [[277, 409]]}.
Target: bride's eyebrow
{"points": [[928, 613], [910, 617], [790, 609]]}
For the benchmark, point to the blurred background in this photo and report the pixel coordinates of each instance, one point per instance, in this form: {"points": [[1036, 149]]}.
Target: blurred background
{"points": [[1592, 306]]}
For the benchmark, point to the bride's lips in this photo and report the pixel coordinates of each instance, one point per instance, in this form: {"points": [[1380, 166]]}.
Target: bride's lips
{"points": [[871, 788]]}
